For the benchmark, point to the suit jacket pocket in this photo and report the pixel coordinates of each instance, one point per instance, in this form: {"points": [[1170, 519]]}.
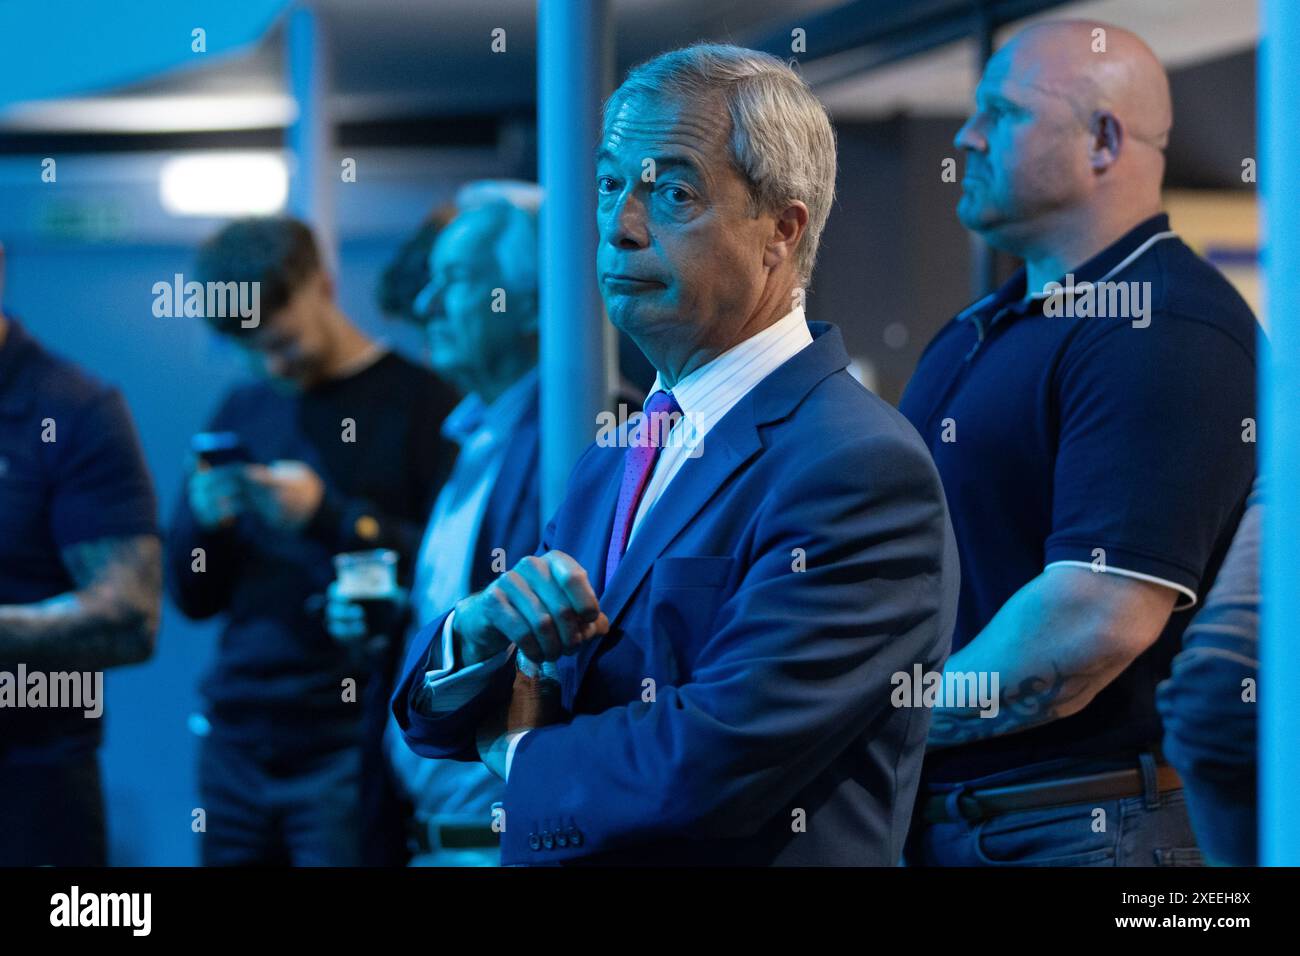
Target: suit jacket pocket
{"points": [[702, 572], [685, 595]]}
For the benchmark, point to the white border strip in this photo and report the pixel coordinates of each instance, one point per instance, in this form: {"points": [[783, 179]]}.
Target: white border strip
{"points": [[1111, 569]]}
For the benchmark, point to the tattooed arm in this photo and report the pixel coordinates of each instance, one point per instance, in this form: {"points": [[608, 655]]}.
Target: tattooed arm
{"points": [[1053, 646], [110, 619]]}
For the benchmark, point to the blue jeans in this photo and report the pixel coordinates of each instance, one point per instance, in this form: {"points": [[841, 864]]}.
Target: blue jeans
{"points": [[1151, 829], [266, 809]]}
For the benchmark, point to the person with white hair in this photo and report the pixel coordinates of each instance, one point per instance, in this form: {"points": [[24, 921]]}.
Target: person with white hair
{"points": [[695, 665], [479, 311]]}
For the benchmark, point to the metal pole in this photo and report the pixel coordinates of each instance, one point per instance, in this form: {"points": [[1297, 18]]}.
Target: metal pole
{"points": [[1279, 166], [574, 47], [310, 138]]}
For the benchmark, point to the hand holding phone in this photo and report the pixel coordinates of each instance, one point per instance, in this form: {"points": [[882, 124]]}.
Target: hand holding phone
{"points": [[215, 449], [216, 490]]}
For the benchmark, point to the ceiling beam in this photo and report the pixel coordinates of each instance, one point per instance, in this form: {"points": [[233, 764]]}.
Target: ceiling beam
{"points": [[865, 34]]}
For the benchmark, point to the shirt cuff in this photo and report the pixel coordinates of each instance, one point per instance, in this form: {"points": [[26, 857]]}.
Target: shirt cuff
{"points": [[446, 688], [511, 744]]}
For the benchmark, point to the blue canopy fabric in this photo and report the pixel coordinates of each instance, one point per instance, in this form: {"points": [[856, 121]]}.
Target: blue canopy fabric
{"points": [[57, 48]]}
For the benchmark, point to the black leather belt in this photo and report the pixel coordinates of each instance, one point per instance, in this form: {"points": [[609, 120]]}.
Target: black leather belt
{"points": [[988, 802], [429, 836]]}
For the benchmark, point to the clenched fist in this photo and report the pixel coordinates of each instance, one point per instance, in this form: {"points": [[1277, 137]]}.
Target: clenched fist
{"points": [[544, 605]]}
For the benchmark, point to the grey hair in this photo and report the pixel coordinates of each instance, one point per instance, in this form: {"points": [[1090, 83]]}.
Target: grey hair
{"points": [[513, 206], [518, 192], [781, 137]]}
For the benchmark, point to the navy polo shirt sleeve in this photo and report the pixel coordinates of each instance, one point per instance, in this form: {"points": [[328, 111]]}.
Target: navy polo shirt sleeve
{"points": [[102, 488], [1152, 459]]}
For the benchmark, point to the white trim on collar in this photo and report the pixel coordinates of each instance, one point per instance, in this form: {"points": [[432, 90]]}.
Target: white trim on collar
{"points": [[1123, 264], [1127, 261]]}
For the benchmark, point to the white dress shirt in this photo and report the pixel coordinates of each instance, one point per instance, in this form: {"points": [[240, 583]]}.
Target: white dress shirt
{"points": [[442, 577], [712, 390], [704, 396]]}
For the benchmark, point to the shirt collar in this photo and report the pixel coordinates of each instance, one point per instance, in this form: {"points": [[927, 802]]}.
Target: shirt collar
{"points": [[472, 415], [756, 357], [1012, 295]]}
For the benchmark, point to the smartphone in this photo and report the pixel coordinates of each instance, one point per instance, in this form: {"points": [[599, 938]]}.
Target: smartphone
{"points": [[215, 449]]}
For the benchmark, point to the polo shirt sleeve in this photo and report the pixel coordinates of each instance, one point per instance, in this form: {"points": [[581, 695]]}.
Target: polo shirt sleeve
{"points": [[1152, 457], [101, 485]]}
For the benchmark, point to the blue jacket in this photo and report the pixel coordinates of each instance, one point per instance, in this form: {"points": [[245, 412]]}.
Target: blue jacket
{"points": [[739, 711], [511, 519], [1210, 718]]}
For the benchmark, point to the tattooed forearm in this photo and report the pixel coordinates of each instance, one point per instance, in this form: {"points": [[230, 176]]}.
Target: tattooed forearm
{"points": [[1035, 700], [110, 619], [1053, 646]]}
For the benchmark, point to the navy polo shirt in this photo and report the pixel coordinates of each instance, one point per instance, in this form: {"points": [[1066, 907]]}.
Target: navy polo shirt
{"points": [[89, 482], [1101, 437]]}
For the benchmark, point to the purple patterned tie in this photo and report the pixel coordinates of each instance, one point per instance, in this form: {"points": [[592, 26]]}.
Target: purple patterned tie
{"points": [[644, 443]]}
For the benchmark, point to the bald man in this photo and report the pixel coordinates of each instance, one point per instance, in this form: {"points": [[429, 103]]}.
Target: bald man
{"points": [[1092, 421]]}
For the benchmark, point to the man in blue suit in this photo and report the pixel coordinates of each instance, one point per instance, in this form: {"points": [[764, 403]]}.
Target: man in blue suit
{"points": [[696, 665]]}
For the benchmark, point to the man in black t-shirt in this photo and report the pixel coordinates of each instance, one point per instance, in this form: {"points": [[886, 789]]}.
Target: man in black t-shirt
{"points": [[1092, 422], [343, 440], [80, 588]]}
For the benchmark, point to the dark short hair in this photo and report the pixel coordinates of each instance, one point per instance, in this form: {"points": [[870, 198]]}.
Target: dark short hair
{"points": [[408, 272], [278, 252]]}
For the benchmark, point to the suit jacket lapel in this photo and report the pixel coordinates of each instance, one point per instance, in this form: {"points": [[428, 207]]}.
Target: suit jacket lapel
{"points": [[506, 523], [728, 446], [590, 552]]}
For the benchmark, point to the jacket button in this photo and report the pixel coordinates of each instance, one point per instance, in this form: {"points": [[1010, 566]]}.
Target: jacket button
{"points": [[548, 839], [533, 842]]}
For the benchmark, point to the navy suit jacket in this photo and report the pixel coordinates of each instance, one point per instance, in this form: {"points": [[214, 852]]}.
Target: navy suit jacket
{"points": [[739, 711], [511, 520]]}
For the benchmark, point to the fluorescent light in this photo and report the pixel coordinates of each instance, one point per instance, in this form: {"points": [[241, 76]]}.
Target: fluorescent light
{"points": [[224, 184], [152, 114]]}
